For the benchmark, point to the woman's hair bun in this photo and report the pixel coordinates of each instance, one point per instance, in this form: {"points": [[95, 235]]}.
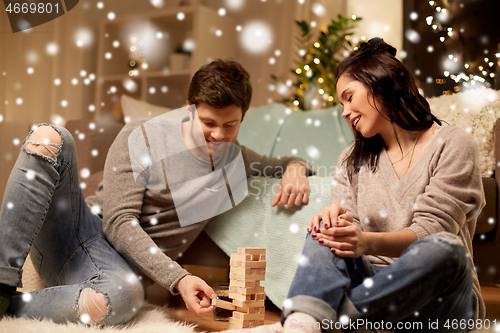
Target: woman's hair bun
{"points": [[377, 44]]}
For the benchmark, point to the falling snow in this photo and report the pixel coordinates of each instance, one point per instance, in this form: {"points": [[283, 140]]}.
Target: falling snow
{"points": [[313, 152], [157, 3], [85, 318], [30, 174], [95, 209], [318, 9], [344, 319], [287, 303], [85, 173], [256, 37], [368, 283], [294, 228]]}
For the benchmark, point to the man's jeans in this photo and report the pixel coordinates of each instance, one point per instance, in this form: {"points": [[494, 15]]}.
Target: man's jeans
{"points": [[44, 213], [431, 280]]}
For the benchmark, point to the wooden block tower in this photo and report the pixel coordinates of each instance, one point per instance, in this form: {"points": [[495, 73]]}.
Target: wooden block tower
{"points": [[247, 269]]}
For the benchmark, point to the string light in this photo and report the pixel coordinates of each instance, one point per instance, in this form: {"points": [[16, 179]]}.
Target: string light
{"points": [[436, 26]]}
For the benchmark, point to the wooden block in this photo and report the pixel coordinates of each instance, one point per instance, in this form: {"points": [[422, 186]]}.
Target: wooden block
{"points": [[262, 257], [249, 316], [247, 264], [250, 304], [241, 257], [245, 291], [246, 277], [257, 309], [247, 298], [251, 250], [244, 284], [223, 304], [247, 271], [235, 323]]}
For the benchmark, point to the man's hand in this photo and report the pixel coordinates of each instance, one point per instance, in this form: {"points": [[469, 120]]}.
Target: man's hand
{"points": [[343, 237], [197, 294], [293, 187]]}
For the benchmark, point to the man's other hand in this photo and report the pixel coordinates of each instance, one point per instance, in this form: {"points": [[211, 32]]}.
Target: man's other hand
{"points": [[293, 188]]}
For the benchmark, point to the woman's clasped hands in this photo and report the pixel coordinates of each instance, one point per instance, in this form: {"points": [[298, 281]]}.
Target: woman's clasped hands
{"points": [[338, 232]]}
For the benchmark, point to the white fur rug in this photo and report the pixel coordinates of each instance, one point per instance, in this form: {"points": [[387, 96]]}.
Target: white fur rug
{"points": [[151, 319]]}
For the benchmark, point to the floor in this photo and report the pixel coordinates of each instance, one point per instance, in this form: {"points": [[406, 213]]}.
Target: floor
{"points": [[156, 294], [160, 296]]}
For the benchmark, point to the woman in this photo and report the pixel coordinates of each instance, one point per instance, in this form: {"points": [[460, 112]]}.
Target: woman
{"points": [[394, 249]]}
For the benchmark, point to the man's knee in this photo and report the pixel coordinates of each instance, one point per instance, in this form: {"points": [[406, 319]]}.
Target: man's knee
{"points": [[92, 306], [45, 140]]}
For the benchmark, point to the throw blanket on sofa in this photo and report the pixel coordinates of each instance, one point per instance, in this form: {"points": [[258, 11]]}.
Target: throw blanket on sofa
{"points": [[281, 230]]}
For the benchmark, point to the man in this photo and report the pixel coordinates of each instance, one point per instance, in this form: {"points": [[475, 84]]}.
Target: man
{"points": [[93, 263]]}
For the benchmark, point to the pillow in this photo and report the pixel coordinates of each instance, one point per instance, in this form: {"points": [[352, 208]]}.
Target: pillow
{"points": [[135, 109], [281, 230], [476, 112]]}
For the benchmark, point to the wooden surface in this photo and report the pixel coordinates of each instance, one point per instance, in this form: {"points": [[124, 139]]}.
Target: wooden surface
{"points": [[208, 324], [160, 296]]}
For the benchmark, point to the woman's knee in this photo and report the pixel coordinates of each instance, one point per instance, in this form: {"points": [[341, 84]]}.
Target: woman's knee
{"points": [[448, 250]]}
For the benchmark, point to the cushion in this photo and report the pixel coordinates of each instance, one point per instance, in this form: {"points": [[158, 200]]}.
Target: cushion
{"points": [[135, 109], [475, 111], [318, 137], [261, 127]]}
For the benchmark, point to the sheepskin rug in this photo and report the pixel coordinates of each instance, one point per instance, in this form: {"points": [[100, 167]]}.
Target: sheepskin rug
{"points": [[151, 319]]}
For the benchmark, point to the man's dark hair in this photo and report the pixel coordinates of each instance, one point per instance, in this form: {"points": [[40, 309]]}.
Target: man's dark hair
{"points": [[220, 84]]}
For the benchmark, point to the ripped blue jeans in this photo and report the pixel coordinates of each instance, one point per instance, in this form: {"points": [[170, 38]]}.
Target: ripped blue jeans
{"points": [[430, 283], [44, 213]]}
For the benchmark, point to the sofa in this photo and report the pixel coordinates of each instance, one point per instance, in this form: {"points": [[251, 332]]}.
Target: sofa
{"points": [[318, 136]]}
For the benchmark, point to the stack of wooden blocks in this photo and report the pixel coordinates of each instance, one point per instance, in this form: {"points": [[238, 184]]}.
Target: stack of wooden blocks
{"points": [[247, 269]]}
